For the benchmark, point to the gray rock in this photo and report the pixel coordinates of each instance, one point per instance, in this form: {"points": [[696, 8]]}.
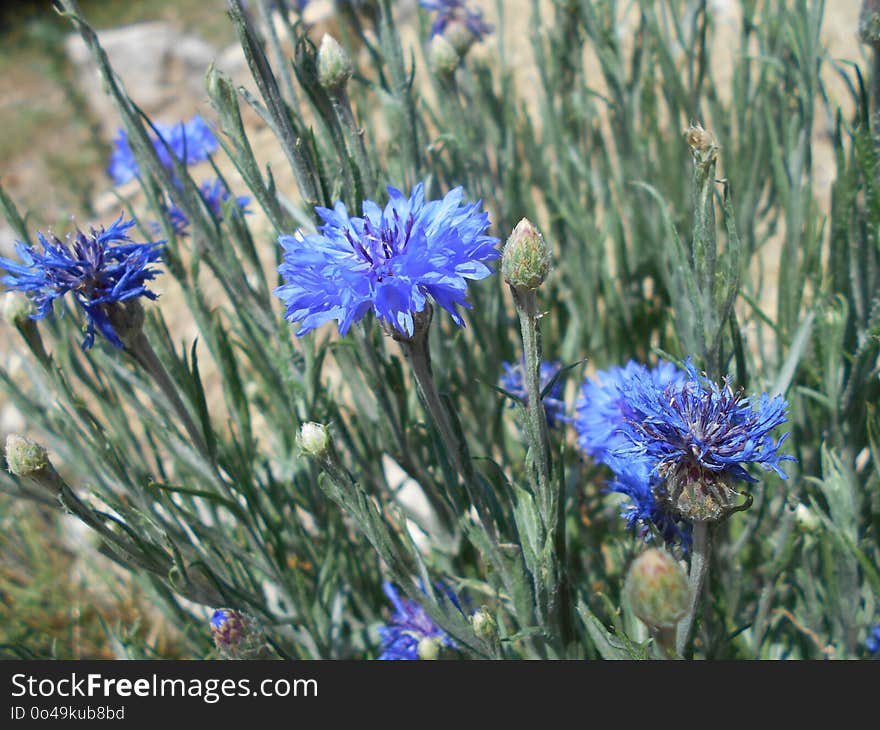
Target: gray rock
{"points": [[159, 67]]}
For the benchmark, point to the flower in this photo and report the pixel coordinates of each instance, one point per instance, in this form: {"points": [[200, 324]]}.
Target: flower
{"points": [[190, 142], [411, 634], [645, 509], [513, 381], [698, 438], [389, 261], [101, 268], [455, 12], [872, 643], [602, 427], [215, 194], [602, 411], [236, 634]]}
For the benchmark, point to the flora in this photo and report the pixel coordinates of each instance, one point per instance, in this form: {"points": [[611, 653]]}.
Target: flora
{"points": [[99, 269], [655, 437], [388, 261]]}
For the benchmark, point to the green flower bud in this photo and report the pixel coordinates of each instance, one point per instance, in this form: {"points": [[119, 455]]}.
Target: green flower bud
{"points": [[314, 440], [484, 624], [25, 458], [525, 262], [657, 589], [442, 57], [334, 64], [429, 648], [806, 518]]}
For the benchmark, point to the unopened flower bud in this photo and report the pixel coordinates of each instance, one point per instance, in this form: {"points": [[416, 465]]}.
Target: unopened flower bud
{"points": [[25, 458], [459, 36], [442, 57], [334, 64], [525, 262], [702, 143], [236, 634], [314, 439], [429, 648], [806, 518], [657, 589], [484, 624]]}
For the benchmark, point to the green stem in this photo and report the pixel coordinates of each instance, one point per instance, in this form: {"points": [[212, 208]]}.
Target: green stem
{"points": [[550, 502], [143, 352], [416, 351], [355, 136], [700, 553]]}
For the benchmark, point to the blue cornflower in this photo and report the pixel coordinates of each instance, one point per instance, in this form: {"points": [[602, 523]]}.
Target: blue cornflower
{"points": [[456, 12], [215, 194], [601, 422], [699, 438], [389, 261], [411, 626], [190, 142], [513, 381], [602, 412], [872, 643], [101, 268]]}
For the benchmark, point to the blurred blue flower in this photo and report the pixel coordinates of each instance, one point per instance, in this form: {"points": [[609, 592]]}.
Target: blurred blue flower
{"points": [[215, 194], [389, 261], [601, 422], [409, 625], [872, 644], [456, 11], [698, 425], [100, 268], [513, 381], [190, 142]]}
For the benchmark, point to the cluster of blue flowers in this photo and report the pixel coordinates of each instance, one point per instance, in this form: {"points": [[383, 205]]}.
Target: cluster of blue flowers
{"points": [[189, 143], [513, 381], [100, 268], [388, 261], [666, 431]]}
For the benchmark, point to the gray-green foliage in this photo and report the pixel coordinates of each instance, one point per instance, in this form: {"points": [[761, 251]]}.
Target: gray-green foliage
{"points": [[653, 254]]}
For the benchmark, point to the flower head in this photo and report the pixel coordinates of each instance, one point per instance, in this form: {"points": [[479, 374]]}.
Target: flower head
{"points": [[236, 634], [411, 634], [190, 142], [698, 438], [390, 260], [456, 12], [602, 424], [101, 269], [603, 410], [513, 381]]}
